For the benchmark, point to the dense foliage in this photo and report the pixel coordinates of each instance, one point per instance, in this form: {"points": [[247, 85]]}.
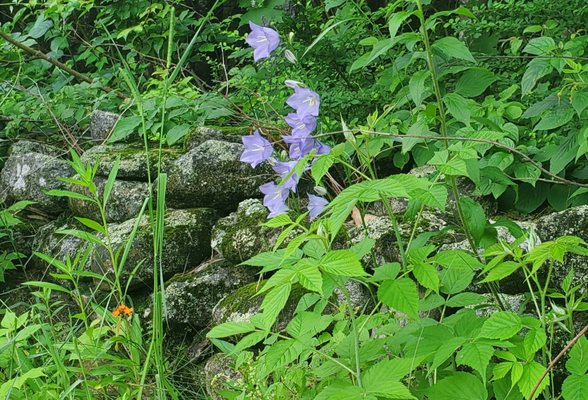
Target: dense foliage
{"points": [[489, 97]]}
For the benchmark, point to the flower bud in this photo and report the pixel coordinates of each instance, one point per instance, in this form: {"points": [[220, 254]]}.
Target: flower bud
{"points": [[290, 56], [321, 191]]}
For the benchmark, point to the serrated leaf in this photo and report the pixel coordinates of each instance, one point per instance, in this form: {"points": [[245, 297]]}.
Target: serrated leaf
{"points": [[575, 387], [400, 294], [554, 119], [230, 329], [341, 262], [580, 101], [476, 356], [578, 358], [459, 386], [446, 350], [278, 221], [501, 325], [532, 371], [536, 69], [451, 47], [465, 299], [274, 302], [534, 340], [501, 271], [500, 370], [474, 217], [341, 392], [249, 340], [310, 278], [426, 275]]}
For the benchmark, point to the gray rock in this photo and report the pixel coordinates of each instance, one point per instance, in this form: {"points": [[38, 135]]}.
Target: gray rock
{"points": [[186, 243], [240, 236], [101, 124], [190, 297], [56, 245], [573, 221], [202, 134], [125, 201], [211, 175], [219, 371], [133, 161], [31, 170]]}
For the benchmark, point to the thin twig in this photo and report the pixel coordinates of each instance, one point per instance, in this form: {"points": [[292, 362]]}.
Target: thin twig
{"points": [[58, 64], [556, 359]]}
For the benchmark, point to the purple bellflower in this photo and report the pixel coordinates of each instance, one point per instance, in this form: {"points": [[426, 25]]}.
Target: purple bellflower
{"points": [[301, 123], [305, 102], [257, 149], [300, 145], [283, 169], [274, 199], [263, 40], [316, 205]]}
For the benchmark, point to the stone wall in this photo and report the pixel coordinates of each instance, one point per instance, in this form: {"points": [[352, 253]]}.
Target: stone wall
{"points": [[212, 224]]}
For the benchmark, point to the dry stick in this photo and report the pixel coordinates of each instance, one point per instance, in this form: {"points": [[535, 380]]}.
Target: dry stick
{"points": [[556, 359], [58, 64]]}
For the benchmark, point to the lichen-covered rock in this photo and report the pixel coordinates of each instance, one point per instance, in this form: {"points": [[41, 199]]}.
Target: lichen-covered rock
{"points": [[133, 161], [125, 201], [219, 371], [573, 221], [240, 235], [56, 245], [101, 124], [211, 175], [200, 135], [30, 171], [186, 243], [380, 229], [190, 297]]}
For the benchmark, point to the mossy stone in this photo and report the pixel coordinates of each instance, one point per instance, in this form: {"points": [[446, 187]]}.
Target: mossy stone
{"points": [[186, 243]]}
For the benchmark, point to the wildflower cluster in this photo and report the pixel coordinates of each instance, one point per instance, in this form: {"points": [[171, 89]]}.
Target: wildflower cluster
{"points": [[303, 121]]}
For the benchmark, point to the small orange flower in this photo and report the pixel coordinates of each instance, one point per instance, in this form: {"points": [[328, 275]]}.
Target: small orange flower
{"points": [[122, 310]]}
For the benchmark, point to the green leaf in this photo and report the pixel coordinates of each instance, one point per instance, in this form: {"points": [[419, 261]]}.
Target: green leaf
{"points": [[177, 133], [565, 153], [459, 386], [534, 340], [501, 271], [341, 392], [274, 302], [278, 221], [426, 275], [536, 69], [540, 46], [310, 278], [578, 358], [474, 82], [532, 371], [446, 350], [249, 340], [321, 166], [580, 101], [70, 194], [87, 236], [110, 182], [342, 262], [476, 356], [400, 294], [41, 26], [230, 329], [90, 223], [465, 299], [554, 119], [527, 173], [124, 128], [416, 86], [451, 47], [46, 285], [501, 325], [455, 166], [396, 20], [575, 387], [474, 217], [458, 107]]}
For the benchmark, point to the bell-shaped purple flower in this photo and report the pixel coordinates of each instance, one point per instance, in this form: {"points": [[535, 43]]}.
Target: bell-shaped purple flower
{"points": [[283, 169], [321, 148], [316, 205], [301, 124], [263, 40], [274, 199], [300, 144], [257, 149], [304, 101]]}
